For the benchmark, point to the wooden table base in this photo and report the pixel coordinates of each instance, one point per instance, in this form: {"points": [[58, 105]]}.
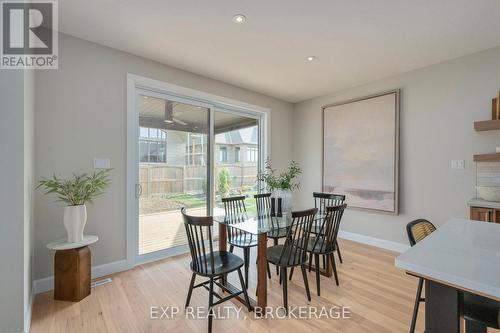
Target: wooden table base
{"points": [[72, 274], [261, 268]]}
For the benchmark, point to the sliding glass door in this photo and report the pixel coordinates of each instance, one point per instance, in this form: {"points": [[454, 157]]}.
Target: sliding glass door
{"points": [[237, 157], [190, 154]]}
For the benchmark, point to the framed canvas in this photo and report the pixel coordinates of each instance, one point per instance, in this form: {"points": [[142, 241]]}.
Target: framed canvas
{"points": [[361, 151]]}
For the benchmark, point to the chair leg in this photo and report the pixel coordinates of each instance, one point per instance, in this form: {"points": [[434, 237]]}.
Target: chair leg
{"points": [[191, 284], [246, 258], [338, 251], [310, 262], [231, 248], [415, 307], [275, 242], [472, 326], [324, 262], [306, 283], [210, 305], [291, 273], [268, 271], [244, 289], [284, 275], [332, 257], [280, 277], [316, 263]]}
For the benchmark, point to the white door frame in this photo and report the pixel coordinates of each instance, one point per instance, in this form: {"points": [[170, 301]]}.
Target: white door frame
{"points": [[186, 95]]}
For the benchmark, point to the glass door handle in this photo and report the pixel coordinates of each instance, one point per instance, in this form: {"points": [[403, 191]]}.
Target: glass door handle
{"points": [[138, 190]]}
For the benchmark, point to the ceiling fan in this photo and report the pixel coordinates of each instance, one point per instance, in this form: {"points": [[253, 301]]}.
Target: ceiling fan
{"points": [[169, 114]]}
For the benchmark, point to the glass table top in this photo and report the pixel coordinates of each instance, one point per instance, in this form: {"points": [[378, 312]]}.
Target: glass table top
{"points": [[252, 223]]}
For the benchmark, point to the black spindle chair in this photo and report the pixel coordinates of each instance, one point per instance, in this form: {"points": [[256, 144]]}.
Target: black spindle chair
{"points": [[321, 201], [264, 205], [324, 242], [234, 208], [206, 262], [293, 252]]}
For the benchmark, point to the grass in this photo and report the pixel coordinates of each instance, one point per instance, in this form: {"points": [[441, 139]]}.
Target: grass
{"points": [[158, 204]]}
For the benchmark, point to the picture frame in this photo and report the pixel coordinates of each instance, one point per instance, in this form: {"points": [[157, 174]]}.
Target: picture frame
{"points": [[360, 151]]}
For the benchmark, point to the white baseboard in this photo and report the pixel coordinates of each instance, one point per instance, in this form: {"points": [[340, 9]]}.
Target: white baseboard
{"points": [[46, 284], [382, 243]]}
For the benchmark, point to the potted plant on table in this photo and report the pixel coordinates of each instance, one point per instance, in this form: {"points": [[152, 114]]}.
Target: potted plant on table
{"points": [[281, 185], [75, 192]]}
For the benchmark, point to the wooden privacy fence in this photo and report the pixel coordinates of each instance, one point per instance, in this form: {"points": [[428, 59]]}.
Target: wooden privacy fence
{"points": [[191, 179]]}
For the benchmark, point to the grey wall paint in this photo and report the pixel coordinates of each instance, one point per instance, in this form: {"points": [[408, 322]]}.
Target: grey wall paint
{"points": [[16, 165], [438, 107], [81, 114], [29, 184]]}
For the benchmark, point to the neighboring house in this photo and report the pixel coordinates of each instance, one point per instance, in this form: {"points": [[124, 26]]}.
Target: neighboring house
{"points": [[178, 148], [175, 161]]}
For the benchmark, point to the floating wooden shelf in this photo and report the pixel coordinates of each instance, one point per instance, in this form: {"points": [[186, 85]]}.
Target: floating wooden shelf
{"points": [[487, 158], [487, 125]]}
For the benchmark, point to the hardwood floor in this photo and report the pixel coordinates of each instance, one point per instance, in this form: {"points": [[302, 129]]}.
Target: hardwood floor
{"points": [[379, 296]]}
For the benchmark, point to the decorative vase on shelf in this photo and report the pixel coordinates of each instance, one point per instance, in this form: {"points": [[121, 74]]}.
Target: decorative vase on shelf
{"points": [[286, 199], [75, 218]]}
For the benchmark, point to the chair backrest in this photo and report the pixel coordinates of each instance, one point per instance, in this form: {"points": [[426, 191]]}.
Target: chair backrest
{"points": [[418, 230], [329, 229], [323, 200], [263, 202], [234, 207], [295, 246], [199, 234]]}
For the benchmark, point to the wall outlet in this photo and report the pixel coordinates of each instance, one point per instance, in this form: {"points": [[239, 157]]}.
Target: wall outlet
{"points": [[458, 164], [102, 163]]}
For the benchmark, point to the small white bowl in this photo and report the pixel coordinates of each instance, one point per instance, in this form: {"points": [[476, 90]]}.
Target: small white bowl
{"points": [[489, 193]]}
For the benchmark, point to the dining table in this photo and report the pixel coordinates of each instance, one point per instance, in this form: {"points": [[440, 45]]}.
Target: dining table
{"points": [[258, 226], [460, 256]]}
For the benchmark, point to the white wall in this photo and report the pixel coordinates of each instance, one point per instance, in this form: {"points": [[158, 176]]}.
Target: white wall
{"points": [[438, 107], [29, 185], [81, 114], [16, 165]]}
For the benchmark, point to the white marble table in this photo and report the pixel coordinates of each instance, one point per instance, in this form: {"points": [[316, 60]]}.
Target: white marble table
{"points": [[461, 255], [63, 244]]}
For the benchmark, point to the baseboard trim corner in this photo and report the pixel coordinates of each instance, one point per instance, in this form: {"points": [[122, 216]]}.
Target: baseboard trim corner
{"points": [[47, 284], [377, 242]]}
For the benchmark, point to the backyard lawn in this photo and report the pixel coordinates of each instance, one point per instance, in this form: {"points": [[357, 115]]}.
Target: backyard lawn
{"points": [[158, 204]]}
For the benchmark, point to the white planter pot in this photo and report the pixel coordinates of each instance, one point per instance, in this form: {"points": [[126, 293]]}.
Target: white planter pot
{"points": [[286, 199], [75, 218]]}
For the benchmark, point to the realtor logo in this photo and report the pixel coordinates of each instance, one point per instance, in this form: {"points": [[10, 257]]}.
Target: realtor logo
{"points": [[29, 35]]}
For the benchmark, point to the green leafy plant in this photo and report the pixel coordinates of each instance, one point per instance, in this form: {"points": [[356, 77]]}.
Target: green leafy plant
{"points": [[282, 181], [79, 189], [224, 182]]}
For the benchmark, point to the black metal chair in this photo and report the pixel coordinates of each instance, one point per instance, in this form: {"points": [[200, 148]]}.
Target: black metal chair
{"points": [[323, 244], [293, 252], [479, 312], [206, 262], [234, 208], [418, 230], [321, 201]]}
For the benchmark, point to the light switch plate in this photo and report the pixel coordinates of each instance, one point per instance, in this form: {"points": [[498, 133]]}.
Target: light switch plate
{"points": [[102, 163], [458, 164]]}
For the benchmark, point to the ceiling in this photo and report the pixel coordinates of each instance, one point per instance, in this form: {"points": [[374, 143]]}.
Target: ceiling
{"points": [[355, 41], [152, 114]]}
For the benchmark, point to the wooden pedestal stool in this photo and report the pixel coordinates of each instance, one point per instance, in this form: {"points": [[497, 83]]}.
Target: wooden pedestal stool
{"points": [[72, 266]]}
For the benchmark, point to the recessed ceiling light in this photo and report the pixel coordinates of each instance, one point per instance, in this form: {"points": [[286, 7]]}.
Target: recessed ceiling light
{"points": [[239, 18], [311, 58]]}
